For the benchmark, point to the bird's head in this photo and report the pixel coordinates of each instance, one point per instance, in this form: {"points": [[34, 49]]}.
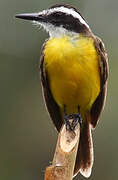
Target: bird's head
{"points": [[59, 20]]}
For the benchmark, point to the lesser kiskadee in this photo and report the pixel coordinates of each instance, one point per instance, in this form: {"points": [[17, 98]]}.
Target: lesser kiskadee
{"points": [[74, 73]]}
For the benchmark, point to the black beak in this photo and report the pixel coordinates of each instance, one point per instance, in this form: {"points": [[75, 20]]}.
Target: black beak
{"points": [[31, 16]]}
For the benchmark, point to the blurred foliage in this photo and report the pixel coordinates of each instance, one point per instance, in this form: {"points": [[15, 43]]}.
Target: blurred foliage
{"points": [[27, 136]]}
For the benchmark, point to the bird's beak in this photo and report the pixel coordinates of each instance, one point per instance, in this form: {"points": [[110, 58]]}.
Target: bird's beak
{"points": [[31, 16]]}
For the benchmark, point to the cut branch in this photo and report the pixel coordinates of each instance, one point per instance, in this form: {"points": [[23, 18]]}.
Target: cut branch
{"points": [[65, 155]]}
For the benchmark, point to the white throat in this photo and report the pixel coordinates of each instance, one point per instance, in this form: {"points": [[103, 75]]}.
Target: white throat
{"points": [[55, 31]]}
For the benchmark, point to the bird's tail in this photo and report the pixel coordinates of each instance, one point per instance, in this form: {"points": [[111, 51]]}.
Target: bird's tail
{"points": [[84, 160]]}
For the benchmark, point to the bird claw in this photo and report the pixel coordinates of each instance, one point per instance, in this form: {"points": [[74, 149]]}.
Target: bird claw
{"points": [[70, 125]]}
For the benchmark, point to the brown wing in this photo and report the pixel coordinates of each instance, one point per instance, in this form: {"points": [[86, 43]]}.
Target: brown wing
{"points": [[51, 105], [99, 103]]}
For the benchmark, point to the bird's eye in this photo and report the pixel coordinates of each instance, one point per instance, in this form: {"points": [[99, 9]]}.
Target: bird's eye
{"points": [[57, 14]]}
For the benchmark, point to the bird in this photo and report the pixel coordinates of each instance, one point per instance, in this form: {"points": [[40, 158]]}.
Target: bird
{"points": [[74, 74]]}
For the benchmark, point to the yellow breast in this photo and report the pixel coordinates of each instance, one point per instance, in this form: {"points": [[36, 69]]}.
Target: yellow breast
{"points": [[72, 66]]}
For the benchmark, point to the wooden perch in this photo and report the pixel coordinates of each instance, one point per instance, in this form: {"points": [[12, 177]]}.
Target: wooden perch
{"points": [[65, 155]]}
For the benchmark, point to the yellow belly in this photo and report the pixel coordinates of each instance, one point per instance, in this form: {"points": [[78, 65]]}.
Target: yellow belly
{"points": [[72, 67]]}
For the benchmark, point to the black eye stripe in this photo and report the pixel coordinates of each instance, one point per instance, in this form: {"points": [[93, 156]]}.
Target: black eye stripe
{"points": [[63, 17], [66, 21], [57, 13]]}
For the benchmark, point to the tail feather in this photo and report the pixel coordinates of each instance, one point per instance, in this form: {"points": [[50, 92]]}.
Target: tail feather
{"points": [[84, 160]]}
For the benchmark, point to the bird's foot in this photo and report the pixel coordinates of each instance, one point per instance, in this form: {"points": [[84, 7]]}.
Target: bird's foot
{"points": [[72, 120]]}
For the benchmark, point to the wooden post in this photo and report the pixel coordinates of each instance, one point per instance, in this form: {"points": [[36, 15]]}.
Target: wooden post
{"points": [[65, 155]]}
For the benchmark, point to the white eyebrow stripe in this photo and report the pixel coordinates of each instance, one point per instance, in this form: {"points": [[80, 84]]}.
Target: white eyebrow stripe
{"points": [[67, 11]]}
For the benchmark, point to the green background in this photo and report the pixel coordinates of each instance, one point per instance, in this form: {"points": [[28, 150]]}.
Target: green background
{"points": [[27, 135]]}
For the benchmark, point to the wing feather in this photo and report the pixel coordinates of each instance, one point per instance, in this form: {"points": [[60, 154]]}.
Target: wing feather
{"points": [[100, 101]]}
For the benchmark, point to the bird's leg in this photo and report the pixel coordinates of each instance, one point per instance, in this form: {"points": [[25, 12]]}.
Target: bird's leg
{"points": [[66, 119], [76, 118]]}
